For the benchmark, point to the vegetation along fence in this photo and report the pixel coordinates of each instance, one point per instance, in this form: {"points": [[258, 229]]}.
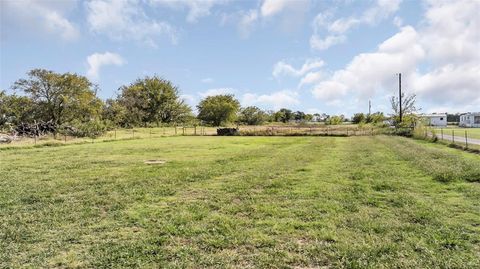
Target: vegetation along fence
{"points": [[466, 138], [145, 133]]}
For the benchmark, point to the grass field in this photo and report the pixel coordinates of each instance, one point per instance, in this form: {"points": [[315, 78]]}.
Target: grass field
{"points": [[276, 202], [157, 132], [471, 132]]}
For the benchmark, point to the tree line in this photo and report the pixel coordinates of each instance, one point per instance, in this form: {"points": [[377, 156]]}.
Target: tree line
{"points": [[69, 102]]}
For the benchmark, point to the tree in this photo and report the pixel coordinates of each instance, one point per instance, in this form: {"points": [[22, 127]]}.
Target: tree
{"points": [[252, 115], [219, 109], [375, 118], [15, 110], [358, 118], [152, 100], [60, 98], [334, 120], [115, 113], [408, 109], [299, 116], [283, 115], [308, 117]]}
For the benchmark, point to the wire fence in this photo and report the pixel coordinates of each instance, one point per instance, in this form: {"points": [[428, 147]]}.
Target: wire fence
{"points": [[158, 132], [468, 139]]}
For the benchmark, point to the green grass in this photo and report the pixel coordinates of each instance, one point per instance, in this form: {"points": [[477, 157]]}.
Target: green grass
{"points": [[471, 132], [234, 202]]}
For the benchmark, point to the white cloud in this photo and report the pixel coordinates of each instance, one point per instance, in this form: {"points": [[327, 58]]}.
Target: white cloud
{"points": [[445, 45], [274, 100], [272, 7], [126, 20], [382, 9], [311, 78], [196, 8], [342, 25], [322, 44], [282, 68], [207, 80], [42, 15], [368, 72], [97, 60], [247, 21], [291, 12], [216, 91], [189, 99], [397, 21]]}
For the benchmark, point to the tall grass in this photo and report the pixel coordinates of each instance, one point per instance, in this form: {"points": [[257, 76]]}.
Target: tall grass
{"points": [[444, 166]]}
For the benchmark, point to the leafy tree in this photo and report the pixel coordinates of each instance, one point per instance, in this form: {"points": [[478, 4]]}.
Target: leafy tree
{"points": [[408, 109], [115, 113], [308, 117], [299, 116], [60, 98], [283, 115], [152, 100], [375, 118], [15, 109], [219, 109], [358, 118], [252, 115], [335, 120]]}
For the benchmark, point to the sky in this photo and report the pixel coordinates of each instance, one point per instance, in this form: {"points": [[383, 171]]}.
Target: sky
{"points": [[315, 56]]}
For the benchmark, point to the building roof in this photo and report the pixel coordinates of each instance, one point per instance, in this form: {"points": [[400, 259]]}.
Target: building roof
{"points": [[470, 113], [434, 115]]}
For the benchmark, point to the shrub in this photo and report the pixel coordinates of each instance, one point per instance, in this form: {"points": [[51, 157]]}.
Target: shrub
{"points": [[92, 129]]}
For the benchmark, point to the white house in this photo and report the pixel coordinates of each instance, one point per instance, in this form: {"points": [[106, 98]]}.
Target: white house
{"points": [[435, 119], [470, 119]]}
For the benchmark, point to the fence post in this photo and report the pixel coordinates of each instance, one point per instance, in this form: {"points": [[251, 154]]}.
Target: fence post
{"points": [[453, 136], [466, 140], [195, 130], [150, 133], [183, 130], [441, 131], [115, 133], [35, 138], [175, 129], [347, 131], [133, 133]]}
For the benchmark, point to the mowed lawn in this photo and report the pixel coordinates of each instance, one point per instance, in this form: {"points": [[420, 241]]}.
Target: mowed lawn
{"points": [[471, 132], [230, 202]]}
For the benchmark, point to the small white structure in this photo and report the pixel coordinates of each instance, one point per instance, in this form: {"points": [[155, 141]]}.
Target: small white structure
{"points": [[436, 119], [470, 119]]}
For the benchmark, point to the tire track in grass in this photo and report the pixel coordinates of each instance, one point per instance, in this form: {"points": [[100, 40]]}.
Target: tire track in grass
{"points": [[397, 215], [235, 213]]}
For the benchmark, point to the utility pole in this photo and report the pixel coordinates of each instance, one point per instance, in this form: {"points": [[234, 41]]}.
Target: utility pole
{"points": [[400, 94], [369, 107]]}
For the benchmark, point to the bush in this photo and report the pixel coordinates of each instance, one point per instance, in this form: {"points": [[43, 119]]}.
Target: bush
{"points": [[92, 129]]}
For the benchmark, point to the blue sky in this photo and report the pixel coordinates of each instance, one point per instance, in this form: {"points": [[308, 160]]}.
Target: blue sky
{"points": [[316, 56]]}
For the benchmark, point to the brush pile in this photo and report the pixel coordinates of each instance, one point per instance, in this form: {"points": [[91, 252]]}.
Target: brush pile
{"points": [[227, 131], [35, 129]]}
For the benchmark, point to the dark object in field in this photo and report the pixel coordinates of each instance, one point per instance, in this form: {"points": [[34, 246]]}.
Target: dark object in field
{"points": [[36, 129], [5, 139], [227, 131]]}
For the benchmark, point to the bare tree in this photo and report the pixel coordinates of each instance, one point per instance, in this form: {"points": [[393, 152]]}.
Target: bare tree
{"points": [[408, 107]]}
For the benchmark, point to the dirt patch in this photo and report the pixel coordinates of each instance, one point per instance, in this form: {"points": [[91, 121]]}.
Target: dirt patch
{"points": [[151, 162]]}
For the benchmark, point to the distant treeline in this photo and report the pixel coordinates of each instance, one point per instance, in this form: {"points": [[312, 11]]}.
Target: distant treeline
{"points": [[70, 104]]}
